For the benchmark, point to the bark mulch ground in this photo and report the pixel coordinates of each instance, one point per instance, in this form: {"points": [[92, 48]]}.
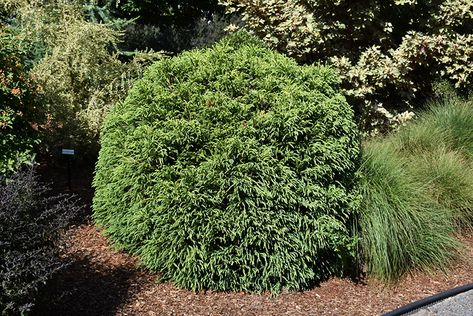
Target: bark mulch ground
{"points": [[103, 281]]}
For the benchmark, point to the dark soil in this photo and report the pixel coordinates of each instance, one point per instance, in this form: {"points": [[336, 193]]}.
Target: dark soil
{"points": [[103, 281]]}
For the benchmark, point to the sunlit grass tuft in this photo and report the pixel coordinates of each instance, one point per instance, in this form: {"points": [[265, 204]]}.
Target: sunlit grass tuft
{"points": [[417, 187]]}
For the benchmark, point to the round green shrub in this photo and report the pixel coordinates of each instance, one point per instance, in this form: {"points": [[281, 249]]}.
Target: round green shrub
{"points": [[232, 168]]}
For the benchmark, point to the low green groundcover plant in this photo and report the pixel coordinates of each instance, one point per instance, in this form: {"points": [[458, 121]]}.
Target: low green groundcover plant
{"points": [[232, 168]]}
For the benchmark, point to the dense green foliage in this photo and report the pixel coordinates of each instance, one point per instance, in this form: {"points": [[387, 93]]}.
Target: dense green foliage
{"points": [[388, 52], [17, 107], [440, 148], [75, 62], [417, 191], [30, 223], [231, 168]]}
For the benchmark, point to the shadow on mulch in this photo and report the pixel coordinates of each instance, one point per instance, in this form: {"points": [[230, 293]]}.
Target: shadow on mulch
{"points": [[85, 289], [56, 175]]}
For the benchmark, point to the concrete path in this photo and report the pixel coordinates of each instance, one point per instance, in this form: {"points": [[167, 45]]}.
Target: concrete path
{"points": [[458, 305]]}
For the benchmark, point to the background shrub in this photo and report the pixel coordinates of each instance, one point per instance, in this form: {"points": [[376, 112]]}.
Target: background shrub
{"points": [[388, 52], [75, 60], [231, 168], [30, 223], [17, 106]]}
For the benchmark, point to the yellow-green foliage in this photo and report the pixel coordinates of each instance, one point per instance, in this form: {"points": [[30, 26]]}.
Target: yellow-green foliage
{"points": [[80, 77], [387, 51], [17, 107], [75, 62], [231, 168]]}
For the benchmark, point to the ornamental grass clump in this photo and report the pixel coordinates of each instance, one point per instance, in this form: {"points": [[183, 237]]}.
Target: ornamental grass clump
{"points": [[447, 123], [417, 187], [439, 146], [232, 168], [402, 227]]}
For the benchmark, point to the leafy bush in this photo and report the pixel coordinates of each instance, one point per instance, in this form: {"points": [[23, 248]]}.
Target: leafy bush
{"points": [[231, 168], [77, 66], [387, 52], [30, 223], [17, 106]]}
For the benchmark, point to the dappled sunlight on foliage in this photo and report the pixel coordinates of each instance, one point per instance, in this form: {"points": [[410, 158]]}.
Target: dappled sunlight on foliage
{"points": [[232, 168], [18, 109], [387, 52]]}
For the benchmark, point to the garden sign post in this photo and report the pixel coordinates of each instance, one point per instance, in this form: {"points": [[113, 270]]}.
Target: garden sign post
{"points": [[69, 153]]}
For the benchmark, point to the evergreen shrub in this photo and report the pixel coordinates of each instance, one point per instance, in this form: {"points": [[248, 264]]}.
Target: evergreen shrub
{"points": [[231, 168]]}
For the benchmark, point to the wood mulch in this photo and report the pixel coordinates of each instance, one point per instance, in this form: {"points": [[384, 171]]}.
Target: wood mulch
{"points": [[103, 281]]}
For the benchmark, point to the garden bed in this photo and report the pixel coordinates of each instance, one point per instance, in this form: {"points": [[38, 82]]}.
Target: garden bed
{"points": [[103, 281]]}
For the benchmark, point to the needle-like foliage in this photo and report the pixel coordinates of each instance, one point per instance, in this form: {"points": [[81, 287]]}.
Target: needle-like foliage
{"points": [[231, 168]]}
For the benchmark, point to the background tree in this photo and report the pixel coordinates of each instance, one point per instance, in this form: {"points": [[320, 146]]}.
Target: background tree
{"points": [[165, 12], [388, 52]]}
